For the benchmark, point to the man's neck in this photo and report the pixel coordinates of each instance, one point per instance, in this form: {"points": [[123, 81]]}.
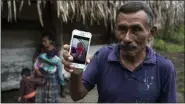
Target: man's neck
{"points": [[131, 62]]}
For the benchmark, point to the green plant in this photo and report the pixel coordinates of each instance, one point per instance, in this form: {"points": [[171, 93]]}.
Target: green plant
{"points": [[172, 34], [159, 44], [165, 46], [170, 47]]}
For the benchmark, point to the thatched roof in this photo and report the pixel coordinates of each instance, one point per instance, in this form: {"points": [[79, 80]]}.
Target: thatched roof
{"points": [[69, 10], [89, 11]]}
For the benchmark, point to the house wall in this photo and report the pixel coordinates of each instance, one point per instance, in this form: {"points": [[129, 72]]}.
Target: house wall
{"points": [[17, 49], [18, 42]]}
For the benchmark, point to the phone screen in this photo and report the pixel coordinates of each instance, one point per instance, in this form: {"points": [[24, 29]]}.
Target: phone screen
{"points": [[79, 48]]}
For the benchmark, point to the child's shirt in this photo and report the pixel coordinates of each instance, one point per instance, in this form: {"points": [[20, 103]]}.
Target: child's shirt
{"points": [[28, 85]]}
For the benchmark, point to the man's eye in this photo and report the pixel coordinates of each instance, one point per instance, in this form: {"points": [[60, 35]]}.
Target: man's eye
{"points": [[122, 29], [136, 29]]}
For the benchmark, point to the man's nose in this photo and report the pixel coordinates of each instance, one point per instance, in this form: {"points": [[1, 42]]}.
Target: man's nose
{"points": [[127, 38]]}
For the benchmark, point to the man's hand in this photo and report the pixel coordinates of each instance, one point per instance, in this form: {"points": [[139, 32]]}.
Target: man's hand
{"points": [[68, 59], [77, 89]]}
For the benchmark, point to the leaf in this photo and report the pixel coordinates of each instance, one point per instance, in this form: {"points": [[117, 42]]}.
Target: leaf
{"points": [[9, 11], [44, 3], [40, 12], [73, 10], [29, 3], [1, 6], [15, 9], [58, 8], [21, 5], [82, 12]]}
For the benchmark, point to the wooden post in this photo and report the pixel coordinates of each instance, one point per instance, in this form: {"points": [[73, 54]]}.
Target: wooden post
{"points": [[47, 18], [57, 24], [52, 23]]}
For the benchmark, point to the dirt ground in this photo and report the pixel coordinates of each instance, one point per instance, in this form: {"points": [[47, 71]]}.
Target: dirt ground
{"points": [[11, 97], [177, 59]]}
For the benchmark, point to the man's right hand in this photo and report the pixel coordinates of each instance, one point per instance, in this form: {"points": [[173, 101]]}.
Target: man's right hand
{"points": [[77, 89], [67, 59]]}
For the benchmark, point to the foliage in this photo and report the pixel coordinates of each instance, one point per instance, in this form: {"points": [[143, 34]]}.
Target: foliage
{"points": [[170, 40], [172, 34], [159, 44], [177, 36], [165, 46]]}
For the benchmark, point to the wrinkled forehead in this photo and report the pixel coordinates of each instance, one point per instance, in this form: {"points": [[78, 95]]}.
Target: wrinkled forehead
{"points": [[139, 17]]}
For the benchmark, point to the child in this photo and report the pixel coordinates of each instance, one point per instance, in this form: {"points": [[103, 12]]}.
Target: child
{"points": [[28, 86], [47, 62]]}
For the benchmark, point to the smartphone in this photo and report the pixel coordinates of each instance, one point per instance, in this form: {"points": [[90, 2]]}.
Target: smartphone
{"points": [[79, 47]]}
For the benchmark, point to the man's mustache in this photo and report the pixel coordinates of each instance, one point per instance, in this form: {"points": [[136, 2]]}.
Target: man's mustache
{"points": [[127, 46]]}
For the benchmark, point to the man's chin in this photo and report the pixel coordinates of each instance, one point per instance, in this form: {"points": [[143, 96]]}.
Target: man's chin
{"points": [[128, 53]]}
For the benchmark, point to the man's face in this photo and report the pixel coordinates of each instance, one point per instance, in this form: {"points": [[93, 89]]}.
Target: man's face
{"points": [[132, 32]]}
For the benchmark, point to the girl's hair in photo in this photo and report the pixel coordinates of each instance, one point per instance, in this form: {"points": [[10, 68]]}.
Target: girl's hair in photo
{"points": [[26, 72]]}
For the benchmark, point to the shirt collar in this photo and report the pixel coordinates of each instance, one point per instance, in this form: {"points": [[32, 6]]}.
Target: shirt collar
{"points": [[149, 59]]}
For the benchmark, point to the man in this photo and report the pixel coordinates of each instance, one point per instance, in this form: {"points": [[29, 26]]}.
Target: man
{"points": [[130, 71]]}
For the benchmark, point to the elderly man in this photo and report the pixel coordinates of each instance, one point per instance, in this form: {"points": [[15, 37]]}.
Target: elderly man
{"points": [[130, 71]]}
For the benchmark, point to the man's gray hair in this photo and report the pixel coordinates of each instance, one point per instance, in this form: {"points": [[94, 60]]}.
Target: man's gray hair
{"points": [[132, 7]]}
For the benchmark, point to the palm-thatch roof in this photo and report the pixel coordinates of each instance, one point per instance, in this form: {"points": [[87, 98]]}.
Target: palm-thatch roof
{"points": [[89, 11], [69, 10]]}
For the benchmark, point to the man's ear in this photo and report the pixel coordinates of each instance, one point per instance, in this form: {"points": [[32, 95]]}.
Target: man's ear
{"points": [[153, 32]]}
